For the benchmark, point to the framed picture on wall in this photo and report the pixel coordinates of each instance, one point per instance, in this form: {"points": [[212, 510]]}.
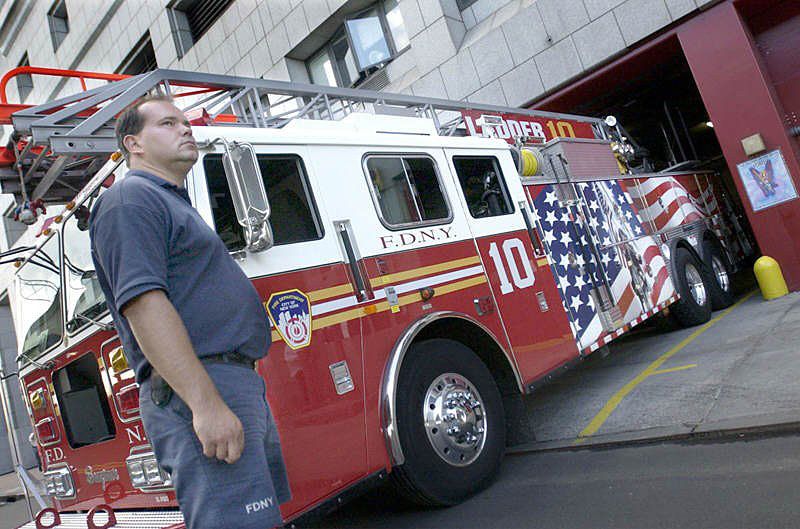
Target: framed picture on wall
{"points": [[767, 180]]}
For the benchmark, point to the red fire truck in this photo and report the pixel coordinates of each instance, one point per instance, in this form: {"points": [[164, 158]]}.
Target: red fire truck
{"points": [[424, 264]]}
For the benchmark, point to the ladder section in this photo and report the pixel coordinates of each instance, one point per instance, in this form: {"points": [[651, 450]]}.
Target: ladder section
{"points": [[78, 130]]}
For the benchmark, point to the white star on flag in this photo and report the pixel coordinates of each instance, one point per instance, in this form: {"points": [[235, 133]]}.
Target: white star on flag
{"points": [[550, 199], [565, 238], [576, 302], [551, 217]]}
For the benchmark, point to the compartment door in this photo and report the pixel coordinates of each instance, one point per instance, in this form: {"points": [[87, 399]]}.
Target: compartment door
{"points": [[575, 261]]}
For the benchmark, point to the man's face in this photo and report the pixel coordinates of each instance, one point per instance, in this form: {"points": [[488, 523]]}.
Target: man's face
{"points": [[166, 138]]}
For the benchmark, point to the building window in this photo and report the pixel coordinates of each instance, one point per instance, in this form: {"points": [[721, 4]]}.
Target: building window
{"points": [[25, 80], [463, 4], [59, 23], [142, 58], [365, 42], [190, 19]]}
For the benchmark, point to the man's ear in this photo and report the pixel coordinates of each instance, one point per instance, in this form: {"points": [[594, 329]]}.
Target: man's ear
{"points": [[131, 143]]}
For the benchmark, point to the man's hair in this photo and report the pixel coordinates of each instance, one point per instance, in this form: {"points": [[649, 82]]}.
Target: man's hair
{"points": [[131, 120]]}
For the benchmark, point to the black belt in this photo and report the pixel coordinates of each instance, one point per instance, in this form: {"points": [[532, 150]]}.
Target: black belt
{"points": [[229, 358], [160, 390]]}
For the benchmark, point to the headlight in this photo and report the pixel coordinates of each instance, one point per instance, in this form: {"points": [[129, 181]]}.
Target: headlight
{"points": [[145, 472], [58, 482]]}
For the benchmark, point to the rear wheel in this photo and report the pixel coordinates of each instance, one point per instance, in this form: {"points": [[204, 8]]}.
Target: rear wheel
{"points": [[694, 306], [450, 422], [718, 276]]}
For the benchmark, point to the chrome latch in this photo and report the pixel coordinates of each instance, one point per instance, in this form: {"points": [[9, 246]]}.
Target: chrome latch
{"points": [[342, 380]]}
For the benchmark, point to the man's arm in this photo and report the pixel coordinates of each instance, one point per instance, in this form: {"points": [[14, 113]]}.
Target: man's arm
{"points": [[163, 338]]}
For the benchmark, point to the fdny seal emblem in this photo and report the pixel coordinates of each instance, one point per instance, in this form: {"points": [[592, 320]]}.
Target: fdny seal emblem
{"points": [[290, 312]]}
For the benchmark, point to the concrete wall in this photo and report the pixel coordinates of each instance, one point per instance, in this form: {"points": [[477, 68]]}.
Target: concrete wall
{"points": [[495, 51]]}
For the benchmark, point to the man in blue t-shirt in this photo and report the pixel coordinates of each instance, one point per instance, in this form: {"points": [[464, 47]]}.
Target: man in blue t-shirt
{"points": [[192, 326]]}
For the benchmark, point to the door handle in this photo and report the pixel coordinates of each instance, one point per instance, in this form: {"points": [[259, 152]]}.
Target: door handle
{"points": [[533, 233], [357, 277]]}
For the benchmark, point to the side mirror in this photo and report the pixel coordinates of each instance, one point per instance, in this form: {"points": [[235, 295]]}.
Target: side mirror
{"points": [[249, 196]]}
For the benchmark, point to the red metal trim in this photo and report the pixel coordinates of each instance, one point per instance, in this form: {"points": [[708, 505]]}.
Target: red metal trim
{"points": [[7, 109], [38, 70], [49, 510], [112, 518]]}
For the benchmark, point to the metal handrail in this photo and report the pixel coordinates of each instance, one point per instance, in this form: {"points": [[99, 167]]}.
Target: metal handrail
{"points": [[38, 70]]}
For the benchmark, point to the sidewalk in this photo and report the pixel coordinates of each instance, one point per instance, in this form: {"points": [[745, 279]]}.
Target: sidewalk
{"points": [[10, 487], [739, 373]]}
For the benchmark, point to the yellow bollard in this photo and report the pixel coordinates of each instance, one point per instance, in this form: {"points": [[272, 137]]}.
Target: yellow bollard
{"points": [[770, 278]]}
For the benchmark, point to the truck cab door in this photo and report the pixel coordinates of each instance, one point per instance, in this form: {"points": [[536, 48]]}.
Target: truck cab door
{"points": [[523, 287], [313, 369]]}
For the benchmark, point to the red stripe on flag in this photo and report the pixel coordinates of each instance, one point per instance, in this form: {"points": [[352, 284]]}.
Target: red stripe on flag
{"points": [[661, 278], [651, 253]]}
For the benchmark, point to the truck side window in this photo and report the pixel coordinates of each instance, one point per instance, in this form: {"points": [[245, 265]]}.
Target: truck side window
{"points": [[483, 186], [293, 217], [407, 190]]}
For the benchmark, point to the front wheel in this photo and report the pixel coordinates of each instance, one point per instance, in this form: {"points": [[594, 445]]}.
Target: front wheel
{"points": [[694, 306], [450, 421]]}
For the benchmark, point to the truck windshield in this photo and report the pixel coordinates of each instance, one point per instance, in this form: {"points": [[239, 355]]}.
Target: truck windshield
{"points": [[39, 288], [84, 299]]}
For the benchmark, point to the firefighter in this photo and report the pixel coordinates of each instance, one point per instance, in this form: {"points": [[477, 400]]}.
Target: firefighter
{"points": [[192, 326]]}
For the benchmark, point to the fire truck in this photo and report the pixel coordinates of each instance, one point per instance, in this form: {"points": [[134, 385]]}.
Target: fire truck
{"points": [[423, 263]]}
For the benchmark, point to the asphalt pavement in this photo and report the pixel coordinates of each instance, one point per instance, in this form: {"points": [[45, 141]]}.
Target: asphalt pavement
{"points": [[749, 484]]}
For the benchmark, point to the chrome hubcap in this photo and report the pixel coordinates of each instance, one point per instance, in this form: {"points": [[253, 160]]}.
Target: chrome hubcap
{"points": [[696, 286], [455, 420], [720, 273]]}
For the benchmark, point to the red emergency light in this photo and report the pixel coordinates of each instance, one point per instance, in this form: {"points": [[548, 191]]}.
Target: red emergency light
{"points": [[128, 399], [46, 430]]}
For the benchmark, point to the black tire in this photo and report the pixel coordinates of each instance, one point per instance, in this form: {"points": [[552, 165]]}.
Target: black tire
{"points": [[688, 276], [718, 276], [426, 477]]}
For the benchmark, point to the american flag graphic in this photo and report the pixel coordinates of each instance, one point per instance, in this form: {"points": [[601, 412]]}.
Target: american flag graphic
{"points": [[669, 202], [629, 261]]}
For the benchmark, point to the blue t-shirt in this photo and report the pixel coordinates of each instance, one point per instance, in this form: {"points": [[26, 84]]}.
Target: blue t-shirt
{"points": [[145, 236]]}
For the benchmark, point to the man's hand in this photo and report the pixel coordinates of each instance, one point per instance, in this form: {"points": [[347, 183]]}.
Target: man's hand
{"points": [[220, 432]]}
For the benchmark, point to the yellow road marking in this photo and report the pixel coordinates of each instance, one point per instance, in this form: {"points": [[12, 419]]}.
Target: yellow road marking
{"points": [[673, 369], [615, 400]]}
